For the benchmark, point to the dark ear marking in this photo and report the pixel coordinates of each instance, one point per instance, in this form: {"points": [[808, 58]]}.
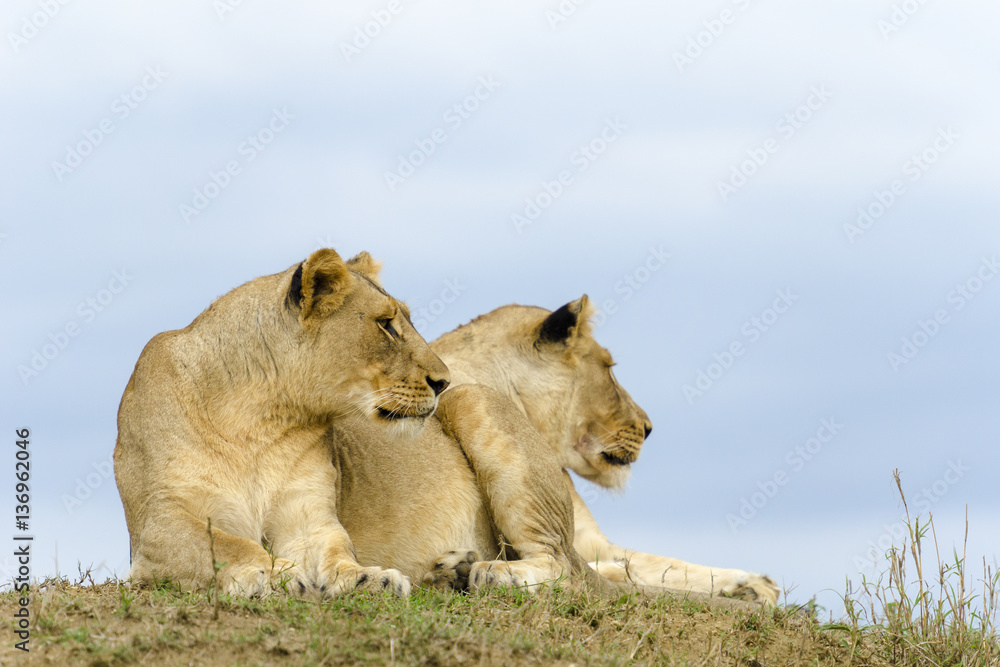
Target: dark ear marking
{"points": [[294, 297], [557, 326], [321, 285], [325, 282]]}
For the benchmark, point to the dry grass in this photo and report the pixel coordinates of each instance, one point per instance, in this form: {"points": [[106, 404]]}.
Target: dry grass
{"points": [[906, 617], [900, 618], [115, 623]]}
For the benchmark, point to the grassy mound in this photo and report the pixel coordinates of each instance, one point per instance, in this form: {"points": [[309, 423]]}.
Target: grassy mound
{"points": [[115, 623], [910, 615]]}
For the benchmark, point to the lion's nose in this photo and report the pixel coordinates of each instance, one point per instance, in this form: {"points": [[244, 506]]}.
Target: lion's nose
{"points": [[648, 428], [437, 385]]}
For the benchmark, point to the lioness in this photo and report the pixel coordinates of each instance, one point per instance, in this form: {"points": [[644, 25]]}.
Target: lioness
{"points": [[227, 421], [482, 470], [550, 367]]}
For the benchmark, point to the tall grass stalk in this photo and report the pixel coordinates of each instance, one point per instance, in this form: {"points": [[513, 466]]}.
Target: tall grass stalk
{"points": [[938, 620]]}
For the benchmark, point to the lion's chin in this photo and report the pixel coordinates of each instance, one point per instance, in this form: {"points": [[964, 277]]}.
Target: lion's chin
{"points": [[598, 467], [612, 478], [405, 427]]}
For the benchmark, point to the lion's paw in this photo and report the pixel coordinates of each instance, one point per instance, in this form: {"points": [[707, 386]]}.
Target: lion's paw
{"points": [[250, 581], [287, 577], [753, 587], [263, 580], [512, 574], [451, 571], [352, 577], [616, 572]]}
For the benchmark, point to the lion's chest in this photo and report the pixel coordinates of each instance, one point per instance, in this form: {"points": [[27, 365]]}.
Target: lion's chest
{"points": [[247, 493]]}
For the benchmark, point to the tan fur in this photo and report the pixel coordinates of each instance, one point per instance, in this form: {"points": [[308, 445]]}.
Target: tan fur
{"points": [[229, 420], [477, 472], [589, 423]]}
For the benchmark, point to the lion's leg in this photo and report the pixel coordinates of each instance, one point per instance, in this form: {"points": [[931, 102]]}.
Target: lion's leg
{"points": [[176, 545], [464, 569], [519, 479], [652, 570], [303, 528], [620, 564]]}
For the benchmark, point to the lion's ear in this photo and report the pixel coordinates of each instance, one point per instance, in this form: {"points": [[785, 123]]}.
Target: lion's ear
{"points": [[567, 322], [363, 263], [320, 284]]}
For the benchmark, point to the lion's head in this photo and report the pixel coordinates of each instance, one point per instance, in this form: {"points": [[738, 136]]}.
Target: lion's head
{"points": [[357, 341], [549, 364]]}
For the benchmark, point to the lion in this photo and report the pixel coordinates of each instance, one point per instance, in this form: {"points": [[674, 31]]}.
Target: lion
{"points": [[222, 459], [476, 501], [550, 367], [485, 482]]}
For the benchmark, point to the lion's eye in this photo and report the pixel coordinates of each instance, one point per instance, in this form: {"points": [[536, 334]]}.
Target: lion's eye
{"points": [[386, 324]]}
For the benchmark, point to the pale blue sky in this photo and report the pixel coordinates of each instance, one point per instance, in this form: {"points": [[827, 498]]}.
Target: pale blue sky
{"points": [[536, 159]]}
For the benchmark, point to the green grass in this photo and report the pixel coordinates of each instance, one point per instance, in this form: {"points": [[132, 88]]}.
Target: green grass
{"points": [[912, 614], [117, 624]]}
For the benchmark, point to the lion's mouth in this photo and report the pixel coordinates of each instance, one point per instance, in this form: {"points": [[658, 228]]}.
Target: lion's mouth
{"points": [[594, 450], [608, 465], [397, 415], [615, 459]]}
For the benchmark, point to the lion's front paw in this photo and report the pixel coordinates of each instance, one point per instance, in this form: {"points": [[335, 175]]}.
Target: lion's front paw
{"points": [[353, 577], [262, 580], [753, 588], [286, 576], [451, 571], [527, 575]]}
